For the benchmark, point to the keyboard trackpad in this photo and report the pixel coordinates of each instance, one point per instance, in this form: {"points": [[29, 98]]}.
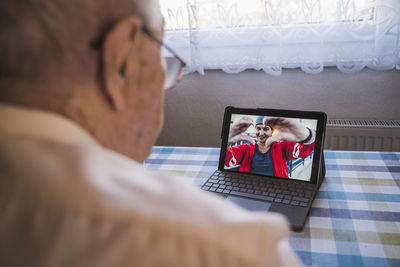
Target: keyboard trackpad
{"points": [[249, 204]]}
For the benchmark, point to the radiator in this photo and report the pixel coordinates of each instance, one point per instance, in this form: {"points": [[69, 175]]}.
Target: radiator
{"points": [[363, 135]]}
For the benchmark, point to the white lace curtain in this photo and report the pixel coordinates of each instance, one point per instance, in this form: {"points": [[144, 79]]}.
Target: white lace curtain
{"points": [[268, 35]]}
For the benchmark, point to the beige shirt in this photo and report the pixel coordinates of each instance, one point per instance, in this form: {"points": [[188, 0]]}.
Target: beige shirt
{"points": [[67, 201]]}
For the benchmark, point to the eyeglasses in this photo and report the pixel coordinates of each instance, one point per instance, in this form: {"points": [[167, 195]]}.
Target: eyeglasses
{"points": [[173, 64]]}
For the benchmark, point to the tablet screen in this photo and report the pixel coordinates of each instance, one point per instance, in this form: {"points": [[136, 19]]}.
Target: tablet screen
{"points": [[271, 145]]}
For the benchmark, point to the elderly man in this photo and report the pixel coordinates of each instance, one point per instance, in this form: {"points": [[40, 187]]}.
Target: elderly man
{"points": [[81, 105]]}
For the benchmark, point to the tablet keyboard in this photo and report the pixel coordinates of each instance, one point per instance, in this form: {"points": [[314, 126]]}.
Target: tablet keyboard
{"points": [[273, 190]]}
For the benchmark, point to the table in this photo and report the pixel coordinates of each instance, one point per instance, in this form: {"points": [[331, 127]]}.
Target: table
{"points": [[355, 218]]}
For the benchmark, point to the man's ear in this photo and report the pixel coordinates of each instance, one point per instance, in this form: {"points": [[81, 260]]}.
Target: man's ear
{"points": [[116, 48]]}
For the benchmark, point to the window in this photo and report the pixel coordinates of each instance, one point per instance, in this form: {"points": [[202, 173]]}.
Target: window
{"points": [[234, 35], [227, 13]]}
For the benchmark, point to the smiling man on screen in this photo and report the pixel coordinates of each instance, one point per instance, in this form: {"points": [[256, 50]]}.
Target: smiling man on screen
{"points": [[270, 154], [81, 92]]}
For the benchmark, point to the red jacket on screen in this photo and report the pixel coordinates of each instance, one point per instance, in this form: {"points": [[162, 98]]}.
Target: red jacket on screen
{"points": [[281, 152]]}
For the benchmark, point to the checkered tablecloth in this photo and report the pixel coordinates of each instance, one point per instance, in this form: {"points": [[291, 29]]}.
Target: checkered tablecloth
{"points": [[355, 218]]}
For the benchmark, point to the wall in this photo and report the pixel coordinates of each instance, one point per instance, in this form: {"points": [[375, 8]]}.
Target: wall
{"points": [[194, 109]]}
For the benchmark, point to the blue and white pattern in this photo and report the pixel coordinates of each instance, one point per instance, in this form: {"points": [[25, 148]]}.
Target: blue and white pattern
{"points": [[355, 218]]}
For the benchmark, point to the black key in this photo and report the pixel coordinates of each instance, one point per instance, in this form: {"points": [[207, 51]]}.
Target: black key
{"points": [[294, 203], [250, 196], [251, 191], [226, 191], [236, 188], [278, 200], [229, 187], [221, 182], [205, 187], [212, 189], [279, 196], [257, 192], [300, 199], [269, 198], [243, 189], [228, 183], [208, 184], [213, 180], [272, 194], [242, 185], [288, 197], [286, 201], [219, 190], [222, 186], [303, 204]]}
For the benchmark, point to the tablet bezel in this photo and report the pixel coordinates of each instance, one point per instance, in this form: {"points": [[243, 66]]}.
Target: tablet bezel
{"points": [[313, 115]]}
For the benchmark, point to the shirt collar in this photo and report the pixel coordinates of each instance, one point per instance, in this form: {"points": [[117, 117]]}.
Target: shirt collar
{"points": [[35, 123]]}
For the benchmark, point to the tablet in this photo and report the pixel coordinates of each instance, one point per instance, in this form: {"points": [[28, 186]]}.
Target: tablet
{"points": [[294, 138]]}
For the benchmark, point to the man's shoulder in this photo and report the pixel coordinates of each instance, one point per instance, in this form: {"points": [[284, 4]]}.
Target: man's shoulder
{"points": [[97, 179], [245, 146], [102, 191], [284, 144]]}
